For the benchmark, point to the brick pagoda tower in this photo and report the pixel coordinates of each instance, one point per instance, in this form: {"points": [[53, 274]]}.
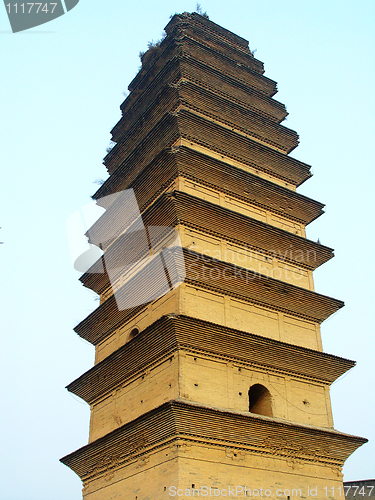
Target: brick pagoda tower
{"points": [[220, 383]]}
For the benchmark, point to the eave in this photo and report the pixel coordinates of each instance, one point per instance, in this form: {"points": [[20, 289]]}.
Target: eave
{"points": [[248, 120], [180, 420], [213, 173], [173, 208], [232, 281], [172, 333], [188, 125], [182, 67], [187, 46]]}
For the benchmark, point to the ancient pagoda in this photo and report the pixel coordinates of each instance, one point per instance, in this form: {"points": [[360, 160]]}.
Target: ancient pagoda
{"points": [[219, 383]]}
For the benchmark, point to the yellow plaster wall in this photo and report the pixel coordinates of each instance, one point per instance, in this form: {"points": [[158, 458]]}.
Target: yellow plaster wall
{"points": [[225, 385], [235, 163], [267, 265], [219, 198], [146, 391], [236, 313], [220, 309], [212, 382], [143, 478], [165, 305], [221, 468], [186, 465]]}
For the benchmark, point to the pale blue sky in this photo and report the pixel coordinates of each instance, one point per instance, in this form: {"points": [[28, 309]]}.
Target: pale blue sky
{"points": [[61, 89]]}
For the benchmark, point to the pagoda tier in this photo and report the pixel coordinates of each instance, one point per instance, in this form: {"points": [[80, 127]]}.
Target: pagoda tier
{"points": [[168, 445], [223, 279], [214, 36], [177, 208], [137, 123], [192, 127], [182, 68], [209, 367], [208, 178], [174, 333], [183, 45]]}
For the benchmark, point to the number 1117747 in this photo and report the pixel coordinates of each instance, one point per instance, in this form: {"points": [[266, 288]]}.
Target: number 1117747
{"points": [[28, 8]]}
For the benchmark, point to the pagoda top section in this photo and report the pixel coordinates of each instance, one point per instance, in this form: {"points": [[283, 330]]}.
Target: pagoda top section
{"points": [[199, 23], [193, 33]]}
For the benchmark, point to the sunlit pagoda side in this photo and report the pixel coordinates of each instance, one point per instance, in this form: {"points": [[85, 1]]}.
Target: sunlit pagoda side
{"points": [[221, 382]]}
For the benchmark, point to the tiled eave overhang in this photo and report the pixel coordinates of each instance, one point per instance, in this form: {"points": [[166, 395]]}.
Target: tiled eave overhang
{"points": [[137, 122], [185, 45], [184, 68], [215, 38], [173, 333], [186, 124], [194, 20], [177, 207], [216, 276], [180, 420], [213, 173]]}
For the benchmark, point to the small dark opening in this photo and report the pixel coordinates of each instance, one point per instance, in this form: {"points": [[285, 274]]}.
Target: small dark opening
{"points": [[260, 400], [134, 333]]}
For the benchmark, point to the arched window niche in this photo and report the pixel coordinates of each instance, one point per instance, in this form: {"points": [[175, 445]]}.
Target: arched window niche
{"points": [[260, 400]]}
